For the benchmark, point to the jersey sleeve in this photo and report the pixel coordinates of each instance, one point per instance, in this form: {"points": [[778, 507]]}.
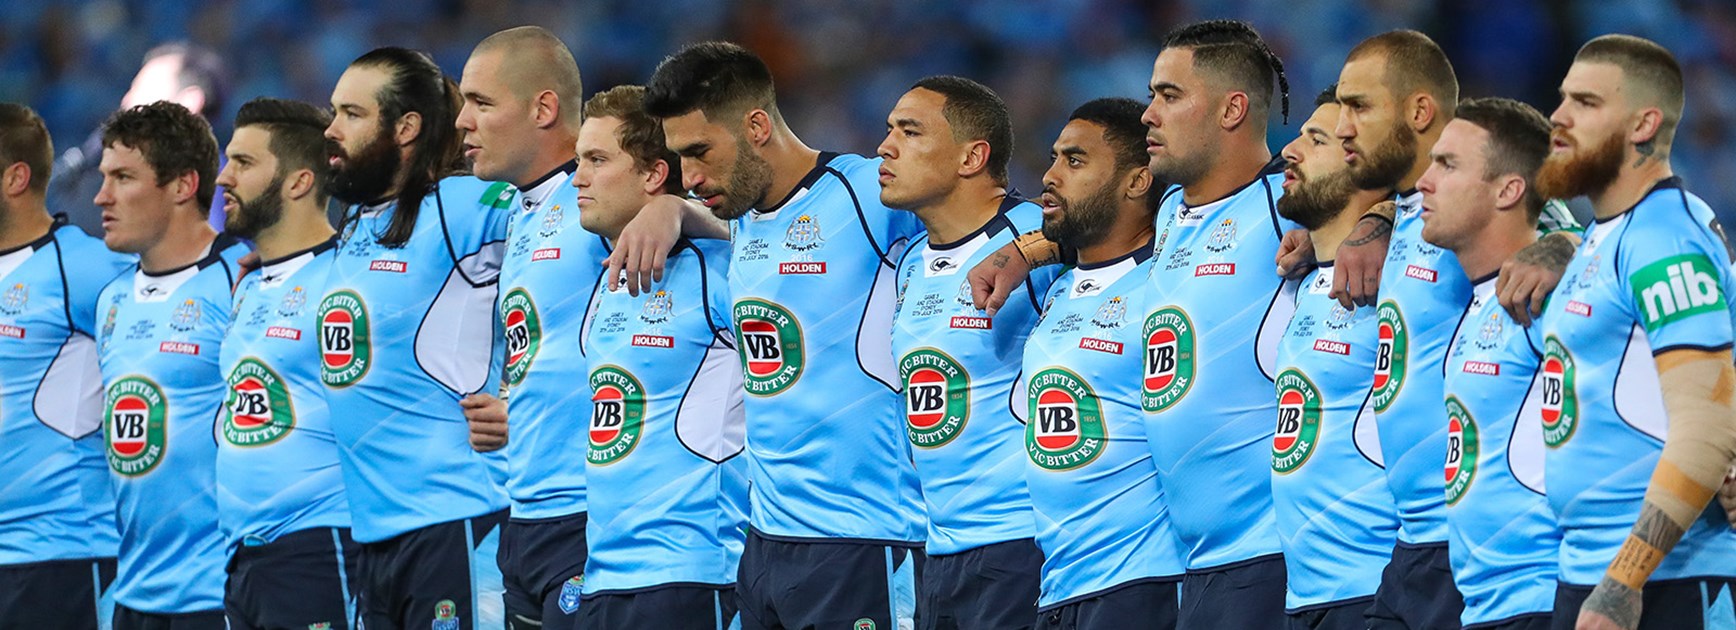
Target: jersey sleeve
{"points": [[1676, 280], [717, 291], [86, 275], [1555, 217], [476, 224], [1038, 284]]}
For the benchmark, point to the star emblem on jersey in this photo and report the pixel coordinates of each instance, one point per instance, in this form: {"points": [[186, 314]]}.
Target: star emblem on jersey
{"points": [[523, 333], [185, 316], [570, 593], [1223, 237], [936, 397], [1390, 355], [15, 299], [1462, 452], [1068, 431], [345, 353], [770, 339], [551, 223], [445, 615], [1490, 333], [1560, 403], [292, 303], [617, 414], [259, 410], [657, 308], [1112, 314], [136, 425], [1298, 432], [1169, 359], [803, 234], [1677, 288]]}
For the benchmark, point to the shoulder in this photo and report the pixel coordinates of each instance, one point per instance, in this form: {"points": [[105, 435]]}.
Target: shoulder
{"points": [[1025, 216], [468, 190]]}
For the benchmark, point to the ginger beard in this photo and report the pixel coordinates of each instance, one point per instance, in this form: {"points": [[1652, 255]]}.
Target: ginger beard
{"points": [[1579, 171]]}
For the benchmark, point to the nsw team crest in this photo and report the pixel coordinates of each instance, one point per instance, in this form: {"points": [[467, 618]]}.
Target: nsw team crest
{"points": [[1112, 314], [551, 223], [12, 303], [804, 234], [657, 308], [570, 592], [185, 316], [292, 303]]}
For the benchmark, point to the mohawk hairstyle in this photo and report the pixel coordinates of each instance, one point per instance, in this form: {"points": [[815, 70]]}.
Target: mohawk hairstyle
{"points": [[718, 79], [1234, 51], [173, 141]]}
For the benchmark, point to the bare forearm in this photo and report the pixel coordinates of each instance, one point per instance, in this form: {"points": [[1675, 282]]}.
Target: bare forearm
{"points": [[698, 222]]}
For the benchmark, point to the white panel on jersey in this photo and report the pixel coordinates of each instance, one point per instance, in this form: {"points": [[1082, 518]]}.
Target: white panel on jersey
{"points": [[1272, 327], [70, 398], [9, 262], [148, 288], [456, 340], [483, 266], [1639, 399], [948, 262], [1525, 449], [709, 432], [874, 337], [1367, 434], [273, 276]]}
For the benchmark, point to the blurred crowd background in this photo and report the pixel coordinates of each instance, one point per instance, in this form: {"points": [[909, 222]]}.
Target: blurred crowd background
{"points": [[841, 64]]}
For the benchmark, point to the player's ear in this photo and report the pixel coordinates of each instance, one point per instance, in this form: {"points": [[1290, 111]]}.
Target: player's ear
{"points": [[975, 159], [546, 109], [655, 177], [758, 124], [185, 187], [408, 128], [1511, 195], [301, 184], [15, 179], [1647, 123], [1422, 110], [1139, 182], [1235, 111]]}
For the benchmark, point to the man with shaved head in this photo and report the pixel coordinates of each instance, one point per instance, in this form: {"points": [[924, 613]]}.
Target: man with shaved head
{"points": [[1637, 376], [523, 104]]}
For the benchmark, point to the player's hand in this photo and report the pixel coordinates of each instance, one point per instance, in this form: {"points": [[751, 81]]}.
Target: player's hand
{"points": [[1356, 273], [993, 279], [1727, 496], [1610, 606], [487, 417], [1529, 276], [1295, 255], [643, 248]]}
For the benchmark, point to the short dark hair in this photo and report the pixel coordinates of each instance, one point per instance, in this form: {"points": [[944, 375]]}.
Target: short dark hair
{"points": [[1414, 63], [1328, 96], [1647, 65], [1233, 51], [975, 112], [174, 142], [1122, 129], [714, 78], [297, 135], [1518, 141], [24, 138], [416, 84], [641, 136], [200, 67]]}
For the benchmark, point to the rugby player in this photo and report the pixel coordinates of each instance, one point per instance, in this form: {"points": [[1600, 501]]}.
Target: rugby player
{"points": [[1111, 559], [811, 280], [944, 159], [407, 329], [280, 493], [57, 511], [1480, 203], [522, 106], [668, 511], [158, 347], [1636, 367], [1335, 516]]}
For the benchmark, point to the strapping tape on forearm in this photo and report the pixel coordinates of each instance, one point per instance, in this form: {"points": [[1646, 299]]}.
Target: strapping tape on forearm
{"points": [[1038, 251]]}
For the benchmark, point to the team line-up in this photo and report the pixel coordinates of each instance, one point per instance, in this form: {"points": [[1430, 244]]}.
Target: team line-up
{"points": [[650, 361]]}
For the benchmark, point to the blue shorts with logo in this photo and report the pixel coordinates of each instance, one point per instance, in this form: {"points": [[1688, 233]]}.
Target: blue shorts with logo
{"points": [[542, 563]]}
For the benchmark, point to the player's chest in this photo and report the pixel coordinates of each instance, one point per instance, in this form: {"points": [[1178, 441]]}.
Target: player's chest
{"points": [[1323, 334], [33, 309], [1219, 247], [274, 323], [659, 326], [181, 330], [549, 244], [802, 243], [361, 261]]}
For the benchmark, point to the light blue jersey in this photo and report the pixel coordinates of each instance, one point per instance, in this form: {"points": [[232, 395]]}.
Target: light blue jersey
{"points": [[1503, 537], [666, 427], [551, 270], [405, 333], [812, 284], [1102, 518], [1210, 335], [964, 399], [1336, 517], [55, 498], [159, 347], [1647, 281], [277, 460]]}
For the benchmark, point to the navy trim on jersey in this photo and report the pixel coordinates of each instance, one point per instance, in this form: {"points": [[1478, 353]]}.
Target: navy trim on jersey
{"points": [[807, 181], [1354, 601], [564, 169], [1230, 566], [991, 227], [55, 222], [880, 542], [1359, 409], [861, 217], [718, 334], [321, 248], [1162, 579], [451, 252], [1139, 255], [214, 256]]}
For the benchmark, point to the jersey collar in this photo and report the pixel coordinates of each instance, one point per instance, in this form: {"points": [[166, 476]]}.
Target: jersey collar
{"points": [[534, 194], [802, 187]]}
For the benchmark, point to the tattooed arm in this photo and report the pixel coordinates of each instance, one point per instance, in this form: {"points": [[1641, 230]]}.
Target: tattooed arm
{"points": [[1356, 273], [1531, 274], [1698, 389], [993, 279]]}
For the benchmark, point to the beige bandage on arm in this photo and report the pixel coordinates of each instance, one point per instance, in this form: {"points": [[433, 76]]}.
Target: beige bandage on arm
{"points": [[1038, 251], [1699, 390], [1385, 210]]}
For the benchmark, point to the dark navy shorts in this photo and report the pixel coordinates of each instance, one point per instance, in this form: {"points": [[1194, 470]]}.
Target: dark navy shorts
{"points": [[993, 587], [1247, 594], [57, 594], [440, 577], [300, 580], [129, 619], [1684, 604], [1417, 591], [1145, 604], [824, 583], [1348, 615], [542, 563], [663, 608]]}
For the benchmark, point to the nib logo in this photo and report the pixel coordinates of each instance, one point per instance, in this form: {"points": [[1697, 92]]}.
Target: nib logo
{"points": [[1677, 288]]}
